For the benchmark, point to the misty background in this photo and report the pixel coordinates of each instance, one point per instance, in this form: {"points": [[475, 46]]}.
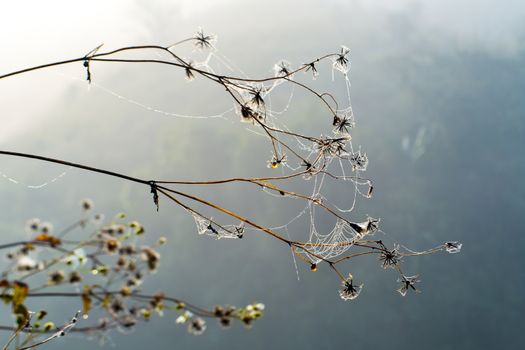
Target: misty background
{"points": [[437, 89]]}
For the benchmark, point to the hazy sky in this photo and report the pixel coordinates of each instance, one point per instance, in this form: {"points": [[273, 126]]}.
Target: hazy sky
{"points": [[36, 32]]}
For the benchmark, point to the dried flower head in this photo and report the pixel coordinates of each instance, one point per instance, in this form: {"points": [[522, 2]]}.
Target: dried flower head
{"points": [[86, 204], [75, 277], [197, 326], [188, 71], [359, 161], [33, 224], [48, 326], [282, 69], [349, 290], [56, 277], [390, 258], [151, 257], [407, 283], [257, 96], [453, 247], [250, 115], [341, 62], [275, 162], [116, 305], [343, 122], [225, 322], [203, 41], [367, 227], [111, 245], [332, 147], [46, 227], [311, 67]]}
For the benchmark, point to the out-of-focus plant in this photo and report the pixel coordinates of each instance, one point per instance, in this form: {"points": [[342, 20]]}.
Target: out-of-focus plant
{"points": [[299, 157], [104, 267]]}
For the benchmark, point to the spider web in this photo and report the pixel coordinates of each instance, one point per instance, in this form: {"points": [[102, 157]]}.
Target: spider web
{"points": [[31, 186], [345, 171], [348, 171], [206, 226]]}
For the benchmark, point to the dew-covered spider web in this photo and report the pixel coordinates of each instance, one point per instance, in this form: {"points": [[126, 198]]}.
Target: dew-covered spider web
{"points": [[330, 154], [34, 186], [326, 158]]}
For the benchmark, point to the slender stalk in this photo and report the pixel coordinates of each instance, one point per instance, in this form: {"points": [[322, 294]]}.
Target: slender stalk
{"points": [[74, 165]]}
